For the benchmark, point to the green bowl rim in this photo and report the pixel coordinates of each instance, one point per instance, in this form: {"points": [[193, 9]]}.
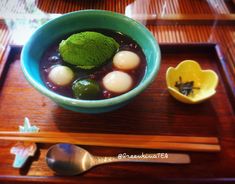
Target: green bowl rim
{"points": [[93, 103]]}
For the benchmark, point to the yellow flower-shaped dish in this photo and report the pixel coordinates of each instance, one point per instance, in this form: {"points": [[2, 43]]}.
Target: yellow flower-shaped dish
{"points": [[189, 70]]}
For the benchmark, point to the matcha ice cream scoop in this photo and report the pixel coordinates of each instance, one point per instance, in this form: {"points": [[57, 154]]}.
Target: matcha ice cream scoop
{"points": [[88, 49]]}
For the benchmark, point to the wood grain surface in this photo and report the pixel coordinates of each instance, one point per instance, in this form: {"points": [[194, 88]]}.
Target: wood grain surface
{"points": [[156, 112]]}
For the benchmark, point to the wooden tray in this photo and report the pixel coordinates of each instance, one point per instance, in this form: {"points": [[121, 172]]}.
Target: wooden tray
{"points": [[153, 112]]}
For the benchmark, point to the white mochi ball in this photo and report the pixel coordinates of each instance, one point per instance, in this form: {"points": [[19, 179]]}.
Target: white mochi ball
{"points": [[117, 82], [126, 60], [61, 75]]}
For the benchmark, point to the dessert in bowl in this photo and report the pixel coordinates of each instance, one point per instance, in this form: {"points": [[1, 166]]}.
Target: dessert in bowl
{"points": [[91, 61]]}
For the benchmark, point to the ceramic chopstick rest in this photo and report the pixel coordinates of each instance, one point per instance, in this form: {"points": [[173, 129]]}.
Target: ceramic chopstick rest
{"points": [[23, 150], [28, 127]]}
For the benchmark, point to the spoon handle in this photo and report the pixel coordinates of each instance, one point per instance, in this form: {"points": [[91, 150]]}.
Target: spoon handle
{"points": [[168, 158]]}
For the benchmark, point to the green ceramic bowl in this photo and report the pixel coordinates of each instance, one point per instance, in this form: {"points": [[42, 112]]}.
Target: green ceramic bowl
{"points": [[82, 20]]}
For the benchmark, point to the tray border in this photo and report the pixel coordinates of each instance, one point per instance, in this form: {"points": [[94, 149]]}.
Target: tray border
{"points": [[101, 180], [8, 59], [230, 5]]}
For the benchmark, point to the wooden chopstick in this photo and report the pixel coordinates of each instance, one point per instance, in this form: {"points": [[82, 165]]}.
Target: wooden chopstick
{"points": [[115, 137], [126, 144], [182, 143]]}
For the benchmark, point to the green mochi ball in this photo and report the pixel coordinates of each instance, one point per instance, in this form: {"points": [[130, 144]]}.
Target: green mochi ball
{"points": [[86, 89]]}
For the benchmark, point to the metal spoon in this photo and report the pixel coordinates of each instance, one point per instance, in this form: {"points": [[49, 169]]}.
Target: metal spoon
{"points": [[68, 159]]}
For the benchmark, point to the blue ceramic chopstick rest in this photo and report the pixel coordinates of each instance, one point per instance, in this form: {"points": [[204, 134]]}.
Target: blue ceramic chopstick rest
{"points": [[28, 127], [23, 150]]}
